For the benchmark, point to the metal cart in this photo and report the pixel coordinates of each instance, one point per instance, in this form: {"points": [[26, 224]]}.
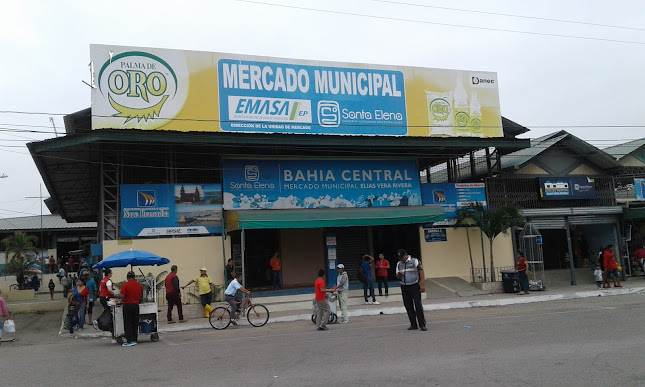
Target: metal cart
{"points": [[148, 316], [148, 312]]}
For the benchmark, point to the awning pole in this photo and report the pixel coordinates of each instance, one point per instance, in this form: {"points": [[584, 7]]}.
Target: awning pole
{"points": [[243, 248]]}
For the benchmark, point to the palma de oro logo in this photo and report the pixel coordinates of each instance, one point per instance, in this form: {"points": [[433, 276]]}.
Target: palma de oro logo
{"points": [[139, 85]]}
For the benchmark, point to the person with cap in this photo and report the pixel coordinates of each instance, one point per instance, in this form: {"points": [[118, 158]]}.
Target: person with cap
{"points": [[173, 294], [232, 296], [522, 273], [342, 287], [131, 292], [410, 273], [205, 288]]}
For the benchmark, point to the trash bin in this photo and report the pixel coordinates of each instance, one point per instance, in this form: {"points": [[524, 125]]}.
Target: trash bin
{"points": [[510, 281]]}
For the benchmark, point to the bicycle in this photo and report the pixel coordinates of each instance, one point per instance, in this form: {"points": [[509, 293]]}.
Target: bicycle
{"points": [[256, 314]]}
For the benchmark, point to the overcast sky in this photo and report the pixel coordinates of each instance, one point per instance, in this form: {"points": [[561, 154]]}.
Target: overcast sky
{"points": [[547, 81]]}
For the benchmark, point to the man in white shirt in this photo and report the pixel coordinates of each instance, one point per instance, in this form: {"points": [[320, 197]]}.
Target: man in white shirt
{"points": [[229, 295], [342, 287], [410, 272]]}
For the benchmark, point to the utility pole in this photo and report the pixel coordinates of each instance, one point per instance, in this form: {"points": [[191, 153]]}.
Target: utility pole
{"points": [[40, 198]]}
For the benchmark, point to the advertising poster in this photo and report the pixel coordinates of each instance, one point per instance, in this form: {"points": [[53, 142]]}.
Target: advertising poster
{"points": [[161, 89], [564, 188], [284, 184], [453, 196], [170, 209]]}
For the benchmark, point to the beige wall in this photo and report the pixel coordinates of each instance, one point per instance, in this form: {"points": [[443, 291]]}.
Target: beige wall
{"points": [[189, 254], [303, 254], [451, 258]]}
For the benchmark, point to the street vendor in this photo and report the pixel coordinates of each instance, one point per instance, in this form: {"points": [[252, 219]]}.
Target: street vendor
{"points": [[131, 292]]}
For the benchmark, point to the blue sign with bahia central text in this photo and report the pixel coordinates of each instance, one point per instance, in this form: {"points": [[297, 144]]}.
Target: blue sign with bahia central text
{"points": [[283, 184], [289, 98]]}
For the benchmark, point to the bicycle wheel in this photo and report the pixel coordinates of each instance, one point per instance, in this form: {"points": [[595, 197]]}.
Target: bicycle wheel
{"points": [[257, 315], [14, 287], [332, 318], [219, 318]]}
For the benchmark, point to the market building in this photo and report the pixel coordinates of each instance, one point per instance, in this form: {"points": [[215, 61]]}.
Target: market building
{"points": [[565, 187], [204, 156]]}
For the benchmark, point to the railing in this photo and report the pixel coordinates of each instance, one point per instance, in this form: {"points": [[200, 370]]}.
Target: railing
{"points": [[190, 295], [477, 275], [525, 193]]}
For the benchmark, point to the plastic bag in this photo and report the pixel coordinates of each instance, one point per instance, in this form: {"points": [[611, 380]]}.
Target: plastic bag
{"points": [[9, 326], [104, 322]]}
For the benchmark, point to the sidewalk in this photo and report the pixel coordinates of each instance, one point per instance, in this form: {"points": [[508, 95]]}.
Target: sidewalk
{"points": [[452, 299]]}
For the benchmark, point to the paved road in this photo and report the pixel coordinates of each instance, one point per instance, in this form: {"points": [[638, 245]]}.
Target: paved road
{"points": [[594, 341]]}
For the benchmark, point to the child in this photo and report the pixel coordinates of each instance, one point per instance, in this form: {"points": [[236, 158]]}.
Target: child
{"points": [[598, 276], [51, 288], [72, 314]]}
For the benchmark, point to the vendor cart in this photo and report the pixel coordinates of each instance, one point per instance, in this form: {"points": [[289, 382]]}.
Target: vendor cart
{"points": [[148, 310]]}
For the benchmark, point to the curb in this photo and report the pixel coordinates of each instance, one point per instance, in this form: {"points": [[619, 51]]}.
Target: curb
{"points": [[401, 310]]}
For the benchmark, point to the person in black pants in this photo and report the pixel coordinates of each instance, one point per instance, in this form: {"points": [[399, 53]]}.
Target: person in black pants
{"points": [[131, 293], [410, 272]]}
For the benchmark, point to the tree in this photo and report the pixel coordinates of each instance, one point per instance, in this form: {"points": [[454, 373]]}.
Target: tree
{"points": [[466, 217], [18, 247], [495, 222]]}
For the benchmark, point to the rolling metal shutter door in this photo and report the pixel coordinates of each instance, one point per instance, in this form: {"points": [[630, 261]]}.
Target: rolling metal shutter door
{"points": [[592, 219], [549, 223], [351, 244]]}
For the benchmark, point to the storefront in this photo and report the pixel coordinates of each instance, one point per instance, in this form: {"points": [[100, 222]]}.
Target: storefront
{"points": [[205, 156]]}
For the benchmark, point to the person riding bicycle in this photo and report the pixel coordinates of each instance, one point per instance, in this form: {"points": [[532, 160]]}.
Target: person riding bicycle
{"points": [[230, 295]]}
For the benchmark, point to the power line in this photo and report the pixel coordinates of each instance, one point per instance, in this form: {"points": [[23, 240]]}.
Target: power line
{"points": [[511, 15], [173, 119], [440, 24]]}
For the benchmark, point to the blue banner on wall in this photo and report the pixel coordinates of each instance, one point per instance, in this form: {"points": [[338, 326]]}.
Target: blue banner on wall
{"points": [[639, 189], [564, 188], [274, 97], [170, 209], [453, 196], [435, 234], [283, 184]]}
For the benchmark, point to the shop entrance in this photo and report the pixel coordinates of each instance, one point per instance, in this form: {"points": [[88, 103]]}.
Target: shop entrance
{"points": [[586, 241], [260, 246]]}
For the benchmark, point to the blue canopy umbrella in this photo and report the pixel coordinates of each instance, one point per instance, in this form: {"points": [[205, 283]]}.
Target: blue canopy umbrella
{"points": [[131, 258]]}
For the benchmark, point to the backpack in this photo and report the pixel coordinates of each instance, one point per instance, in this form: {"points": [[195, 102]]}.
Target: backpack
{"points": [[361, 273]]}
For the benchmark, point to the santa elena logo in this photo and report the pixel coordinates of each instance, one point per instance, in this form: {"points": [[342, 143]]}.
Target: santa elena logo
{"points": [[137, 84]]}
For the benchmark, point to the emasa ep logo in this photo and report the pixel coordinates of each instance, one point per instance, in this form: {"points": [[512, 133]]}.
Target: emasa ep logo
{"points": [[142, 86]]}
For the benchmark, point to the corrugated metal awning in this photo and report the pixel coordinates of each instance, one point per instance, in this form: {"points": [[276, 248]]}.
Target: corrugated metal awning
{"points": [[331, 217]]}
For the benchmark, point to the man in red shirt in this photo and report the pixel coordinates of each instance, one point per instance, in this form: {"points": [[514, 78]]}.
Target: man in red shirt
{"points": [[131, 292], [323, 310], [640, 256], [382, 266], [611, 266], [173, 295]]}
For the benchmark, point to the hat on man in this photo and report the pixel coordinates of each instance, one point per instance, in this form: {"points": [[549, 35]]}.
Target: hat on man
{"points": [[402, 252], [202, 269], [340, 266]]}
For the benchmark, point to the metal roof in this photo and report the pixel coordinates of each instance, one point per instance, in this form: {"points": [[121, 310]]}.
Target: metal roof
{"points": [[566, 140], [71, 165], [621, 150], [50, 222]]}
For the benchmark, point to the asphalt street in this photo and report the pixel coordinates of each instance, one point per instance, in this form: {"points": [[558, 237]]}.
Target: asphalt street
{"points": [[580, 342]]}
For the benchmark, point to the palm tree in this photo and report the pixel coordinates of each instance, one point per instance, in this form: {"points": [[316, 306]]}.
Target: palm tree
{"points": [[18, 247], [495, 222]]}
